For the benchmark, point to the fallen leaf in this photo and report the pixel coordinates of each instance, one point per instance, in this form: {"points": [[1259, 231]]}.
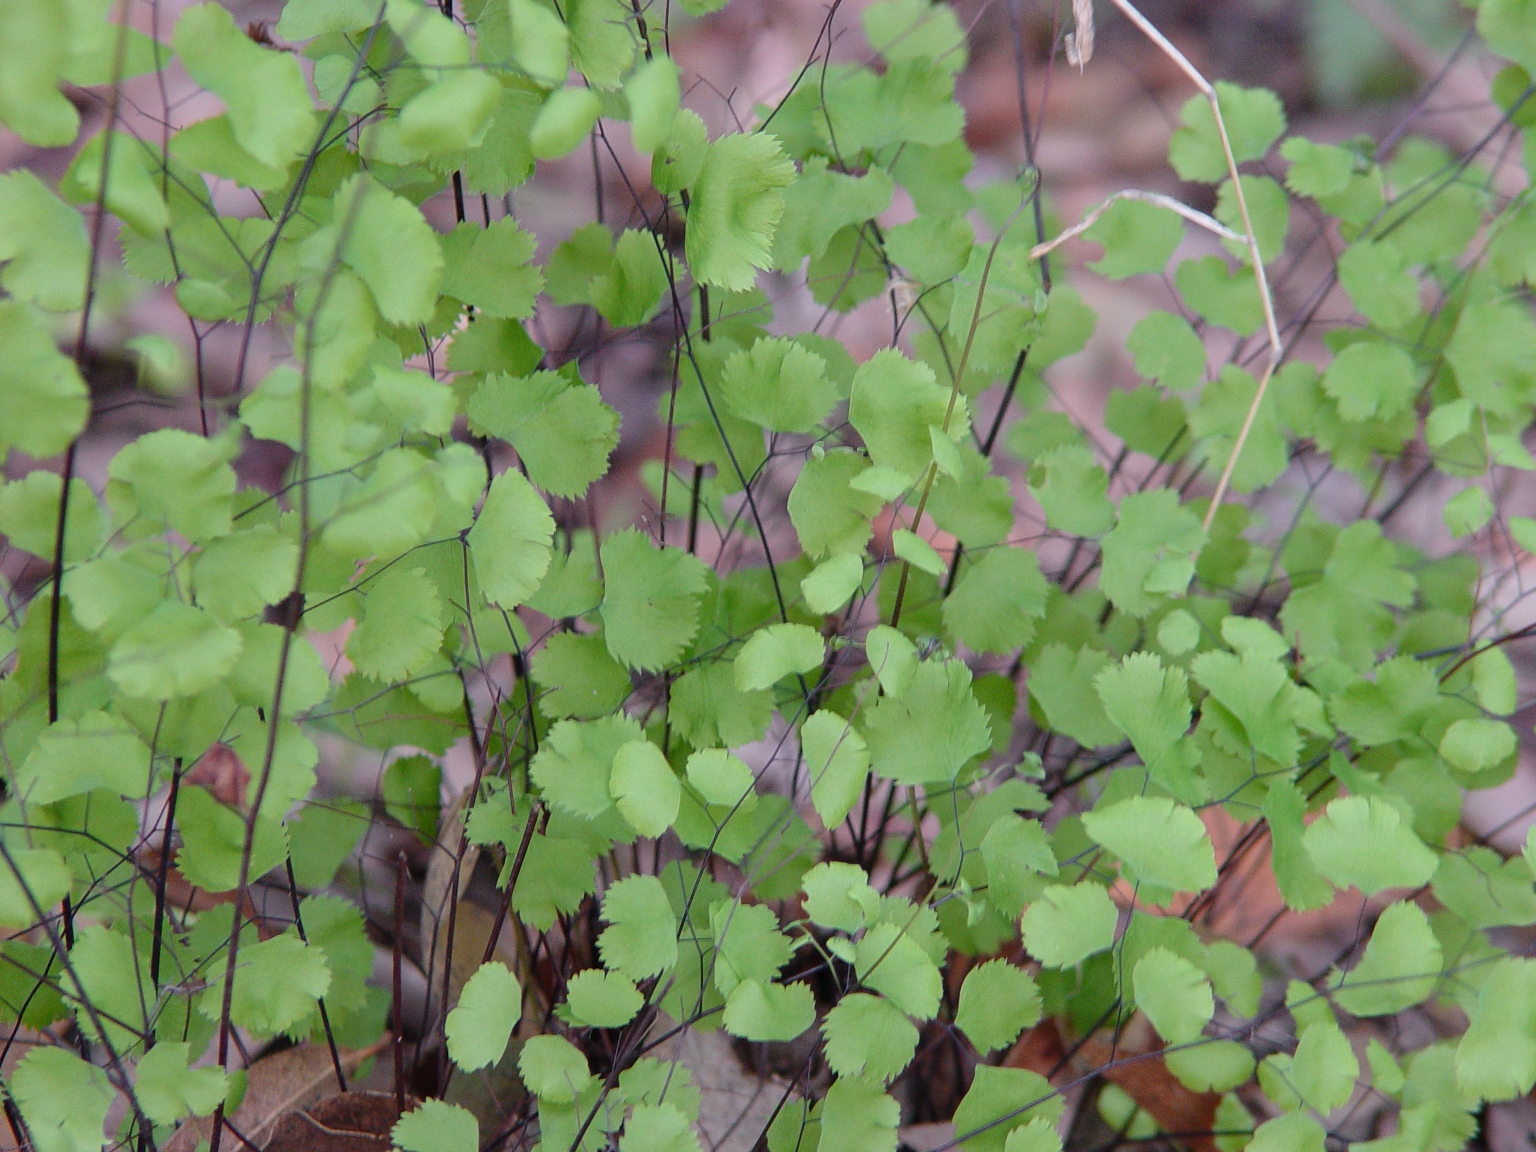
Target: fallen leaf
{"points": [[294, 1079]]}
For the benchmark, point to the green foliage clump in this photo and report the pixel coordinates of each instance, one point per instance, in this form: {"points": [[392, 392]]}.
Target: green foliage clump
{"points": [[911, 716]]}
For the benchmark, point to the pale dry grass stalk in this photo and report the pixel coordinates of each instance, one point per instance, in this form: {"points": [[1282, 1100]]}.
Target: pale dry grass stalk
{"points": [[1194, 216], [1079, 47], [1079, 41]]}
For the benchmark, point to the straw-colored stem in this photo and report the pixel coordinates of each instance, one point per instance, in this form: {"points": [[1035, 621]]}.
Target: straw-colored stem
{"points": [[1200, 219], [1271, 326]]}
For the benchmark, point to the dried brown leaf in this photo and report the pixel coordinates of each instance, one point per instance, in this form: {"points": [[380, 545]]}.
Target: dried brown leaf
{"points": [[291, 1080]]}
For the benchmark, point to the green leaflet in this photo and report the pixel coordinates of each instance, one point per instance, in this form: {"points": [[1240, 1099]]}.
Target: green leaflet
{"points": [[400, 627], [563, 431], [1496, 1057], [602, 43], [858, 1116], [915, 30], [43, 400], [450, 115], [175, 480], [127, 182], [168, 1090], [775, 652], [1269, 210], [708, 709], [1152, 423], [214, 840], [1175, 995], [1220, 414], [1293, 1132], [1475, 746], [913, 102], [240, 573], [779, 384], [928, 733], [63, 1099], [1061, 685], [650, 600], [892, 963], [95, 751], [434, 1126], [1301, 884], [277, 985], [837, 759], [1150, 704], [1488, 350], [1316, 169], [510, 541], [387, 242], [892, 657], [1254, 121], [1230, 299], [826, 588], [659, 1128], [1018, 858], [894, 403], [264, 91], [412, 789], [1362, 840], [1137, 237], [997, 1002], [1321, 1074], [42, 245], [1375, 274], [737, 203], [1252, 704], [29, 511], [917, 552], [819, 204], [1161, 843], [557, 873], [1370, 379], [490, 268], [644, 787], [176, 650], [722, 779], [603, 999], [36, 35], [996, 603], [32, 881], [868, 1036], [1484, 890], [1150, 552], [480, 1024], [1211, 1065], [839, 895], [932, 248], [653, 92], [829, 515], [631, 289], [1071, 487], [574, 761], [1067, 924], [336, 926], [1167, 350], [1400, 968], [1001, 1100], [760, 1011], [641, 937]]}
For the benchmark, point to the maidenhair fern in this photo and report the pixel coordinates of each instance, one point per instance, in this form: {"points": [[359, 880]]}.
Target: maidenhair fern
{"points": [[911, 724]]}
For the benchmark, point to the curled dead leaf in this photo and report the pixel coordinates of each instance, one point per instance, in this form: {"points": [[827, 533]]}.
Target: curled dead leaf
{"points": [[293, 1080], [221, 771]]}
